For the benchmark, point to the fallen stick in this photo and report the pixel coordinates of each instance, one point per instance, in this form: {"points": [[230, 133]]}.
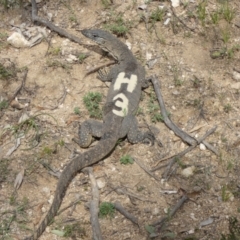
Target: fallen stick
{"points": [[118, 206], [174, 159], [94, 206], [180, 133], [159, 224], [51, 26]]}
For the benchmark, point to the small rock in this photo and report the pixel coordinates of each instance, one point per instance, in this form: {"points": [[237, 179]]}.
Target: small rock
{"points": [[18, 40], [235, 85], [206, 222], [148, 55], [187, 172], [129, 45], [175, 3], [151, 63], [101, 183], [50, 201], [202, 147], [71, 58], [236, 75], [166, 22], [155, 211], [176, 93], [142, 7], [17, 105], [43, 209], [46, 190], [23, 118]]}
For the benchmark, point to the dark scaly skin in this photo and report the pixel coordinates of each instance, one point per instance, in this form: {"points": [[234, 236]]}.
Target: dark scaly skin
{"points": [[104, 147], [114, 126]]}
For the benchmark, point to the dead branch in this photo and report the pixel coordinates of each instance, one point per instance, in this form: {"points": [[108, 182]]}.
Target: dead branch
{"points": [[118, 206], [99, 67], [19, 87], [180, 20], [181, 154], [94, 205], [141, 165], [123, 191], [184, 136], [51, 26], [159, 224], [180, 133]]}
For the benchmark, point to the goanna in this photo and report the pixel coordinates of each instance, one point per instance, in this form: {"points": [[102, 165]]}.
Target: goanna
{"points": [[127, 78]]}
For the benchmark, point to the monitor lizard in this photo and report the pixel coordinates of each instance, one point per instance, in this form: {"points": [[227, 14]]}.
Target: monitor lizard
{"points": [[127, 78]]}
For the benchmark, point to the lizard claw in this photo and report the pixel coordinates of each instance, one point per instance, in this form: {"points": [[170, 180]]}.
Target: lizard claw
{"points": [[149, 138]]}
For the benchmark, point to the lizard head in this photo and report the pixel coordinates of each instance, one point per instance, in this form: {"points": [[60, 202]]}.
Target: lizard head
{"points": [[105, 40]]}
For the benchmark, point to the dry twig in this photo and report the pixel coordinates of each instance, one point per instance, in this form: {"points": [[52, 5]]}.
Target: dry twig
{"points": [[94, 206], [175, 158], [51, 26], [180, 133], [141, 165], [19, 87], [159, 224], [125, 213]]}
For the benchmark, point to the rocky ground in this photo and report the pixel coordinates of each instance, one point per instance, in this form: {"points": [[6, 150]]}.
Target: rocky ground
{"points": [[194, 51]]}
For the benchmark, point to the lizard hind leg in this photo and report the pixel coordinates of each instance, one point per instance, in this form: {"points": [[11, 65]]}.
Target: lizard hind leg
{"points": [[87, 130], [133, 133]]}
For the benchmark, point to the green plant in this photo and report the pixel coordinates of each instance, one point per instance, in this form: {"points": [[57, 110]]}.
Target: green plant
{"points": [[226, 35], [227, 108], [11, 3], [158, 14], [54, 51], [106, 3], [74, 231], [140, 188], [91, 101], [7, 72], [126, 159], [106, 209], [15, 214], [3, 40], [201, 11], [73, 18], [176, 73], [77, 110], [232, 50], [154, 109], [215, 16], [3, 104], [31, 125], [81, 57], [47, 151], [4, 169], [151, 230], [234, 230], [225, 194], [118, 25], [55, 63], [227, 12]]}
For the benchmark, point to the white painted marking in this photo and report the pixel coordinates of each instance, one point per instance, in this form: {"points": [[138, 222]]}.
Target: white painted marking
{"points": [[132, 82], [123, 105]]}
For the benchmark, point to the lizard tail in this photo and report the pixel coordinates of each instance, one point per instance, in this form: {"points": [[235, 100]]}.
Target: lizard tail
{"points": [[94, 155]]}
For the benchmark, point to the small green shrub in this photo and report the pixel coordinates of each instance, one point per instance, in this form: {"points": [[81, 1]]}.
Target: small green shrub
{"points": [[126, 159], [106, 209], [91, 101]]}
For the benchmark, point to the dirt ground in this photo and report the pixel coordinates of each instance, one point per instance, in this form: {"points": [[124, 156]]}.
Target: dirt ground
{"points": [[196, 58]]}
